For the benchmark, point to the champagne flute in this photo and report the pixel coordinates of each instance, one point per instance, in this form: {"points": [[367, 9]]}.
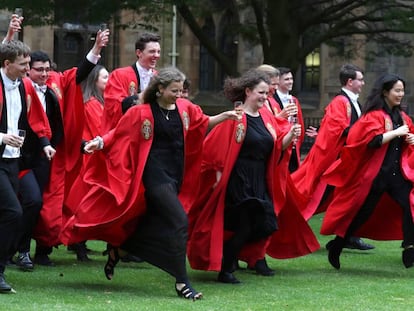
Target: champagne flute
{"points": [[239, 110], [103, 26], [237, 104], [293, 118], [18, 12]]}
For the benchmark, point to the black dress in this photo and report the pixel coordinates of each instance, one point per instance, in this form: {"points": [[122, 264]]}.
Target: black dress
{"points": [[161, 234], [247, 189]]}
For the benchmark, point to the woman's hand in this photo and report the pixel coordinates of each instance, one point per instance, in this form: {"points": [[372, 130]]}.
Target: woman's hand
{"points": [[94, 144], [402, 130], [311, 132], [289, 110], [410, 138]]}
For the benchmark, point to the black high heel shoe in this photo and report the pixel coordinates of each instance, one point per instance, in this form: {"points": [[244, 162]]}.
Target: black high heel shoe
{"points": [[113, 259], [188, 292]]}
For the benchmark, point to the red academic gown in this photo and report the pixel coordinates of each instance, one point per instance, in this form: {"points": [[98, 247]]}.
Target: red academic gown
{"points": [[280, 244], [353, 174], [220, 151], [324, 152], [111, 209], [66, 163], [36, 116], [93, 115], [122, 83]]}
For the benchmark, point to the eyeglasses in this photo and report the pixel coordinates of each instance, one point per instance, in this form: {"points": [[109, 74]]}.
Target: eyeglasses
{"points": [[41, 69]]}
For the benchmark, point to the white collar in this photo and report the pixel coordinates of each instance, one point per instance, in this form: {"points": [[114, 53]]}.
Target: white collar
{"points": [[351, 95], [8, 83], [40, 88], [144, 72], [282, 95]]}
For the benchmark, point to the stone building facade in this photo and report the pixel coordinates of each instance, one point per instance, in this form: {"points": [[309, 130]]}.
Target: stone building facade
{"points": [[67, 44]]}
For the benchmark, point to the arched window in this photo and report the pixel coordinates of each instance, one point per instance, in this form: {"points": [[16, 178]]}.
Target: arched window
{"points": [[311, 72]]}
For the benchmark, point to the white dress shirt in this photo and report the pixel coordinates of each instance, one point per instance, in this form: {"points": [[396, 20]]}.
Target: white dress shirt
{"points": [[14, 109], [354, 100], [285, 98], [145, 76]]}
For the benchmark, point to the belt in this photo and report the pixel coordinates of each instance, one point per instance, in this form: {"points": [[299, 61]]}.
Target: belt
{"points": [[9, 160]]}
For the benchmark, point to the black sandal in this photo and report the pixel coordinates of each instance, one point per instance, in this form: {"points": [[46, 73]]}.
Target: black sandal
{"points": [[113, 258], [188, 292]]}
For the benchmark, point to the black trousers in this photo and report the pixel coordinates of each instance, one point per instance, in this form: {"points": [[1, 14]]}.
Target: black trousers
{"points": [[31, 200], [10, 209], [161, 236], [399, 189], [41, 171]]}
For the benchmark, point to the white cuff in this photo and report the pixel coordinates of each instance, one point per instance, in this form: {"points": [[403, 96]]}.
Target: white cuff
{"points": [[100, 141], [94, 59]]}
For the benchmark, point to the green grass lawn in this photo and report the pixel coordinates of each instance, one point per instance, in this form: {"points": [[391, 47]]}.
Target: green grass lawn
{"points": [[369, 280]]}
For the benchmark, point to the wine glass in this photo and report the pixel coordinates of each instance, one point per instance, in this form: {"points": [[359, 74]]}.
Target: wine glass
{"points": [[238, 108]]}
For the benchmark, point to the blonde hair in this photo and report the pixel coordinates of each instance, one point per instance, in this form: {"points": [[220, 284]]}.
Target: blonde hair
{"points": [[271, 71]]}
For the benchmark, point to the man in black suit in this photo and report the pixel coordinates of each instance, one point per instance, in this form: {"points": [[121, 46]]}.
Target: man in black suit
{"points": [[15, 97], [36, 174]]}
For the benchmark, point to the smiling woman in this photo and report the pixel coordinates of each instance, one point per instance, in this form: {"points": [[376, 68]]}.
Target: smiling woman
{"points": [[243, 183], [152, 165], [377, 150]]}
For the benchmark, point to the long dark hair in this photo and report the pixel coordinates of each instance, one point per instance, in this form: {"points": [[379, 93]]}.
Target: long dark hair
{"points": [[89, 88], [375, 100], [235, 88]]}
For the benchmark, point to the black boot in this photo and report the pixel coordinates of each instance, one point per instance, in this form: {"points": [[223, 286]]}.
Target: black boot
{"points": [[335, 251]]}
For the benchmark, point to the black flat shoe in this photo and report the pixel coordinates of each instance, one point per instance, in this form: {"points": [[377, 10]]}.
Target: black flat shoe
{"points": [[131, 258], [408, 256], [188, 292], [358, 243], [335, 251], [227, 277], [113, 259], [81, 252], [4, 287], [262, 268], [24, 262], [43, 260]]}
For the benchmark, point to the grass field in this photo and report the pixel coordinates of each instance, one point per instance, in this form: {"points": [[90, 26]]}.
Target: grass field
{"points": [[370, 280]]}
